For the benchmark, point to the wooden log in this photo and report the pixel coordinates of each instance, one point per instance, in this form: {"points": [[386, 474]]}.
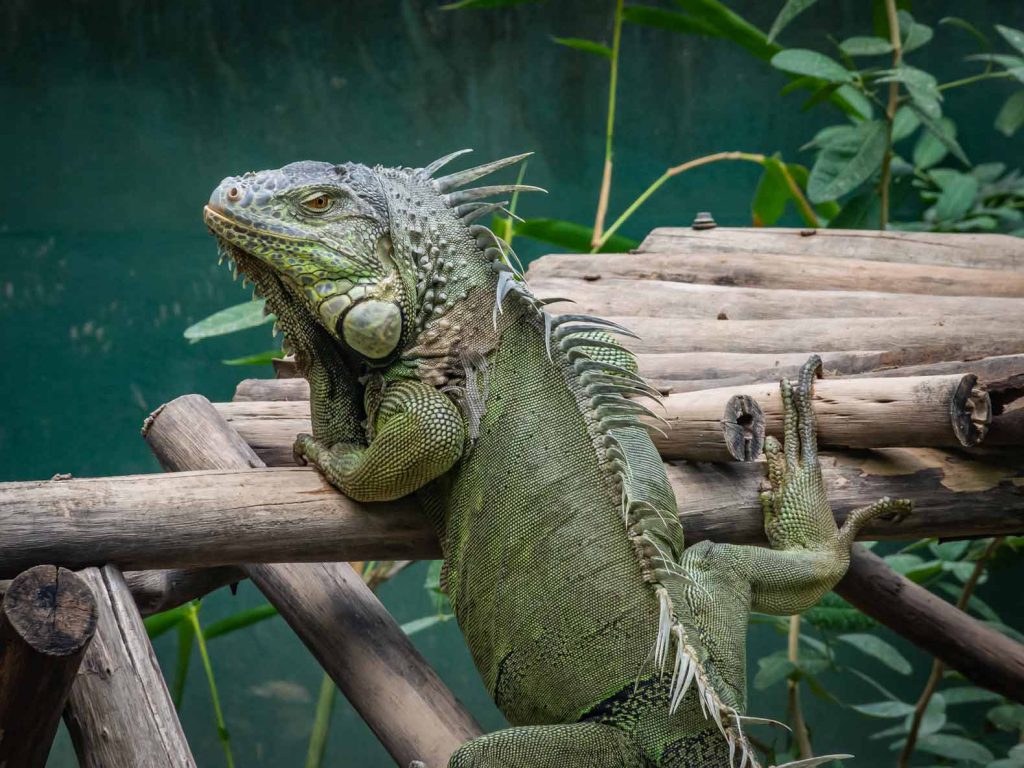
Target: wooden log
{"points": [[272, 389], [161, 590], [329, 607], [726, 424], [983, 655], [918, 340], [998, 252], [195, 519], [781, 270], [47, 621], [659, 298], [119, 713]]}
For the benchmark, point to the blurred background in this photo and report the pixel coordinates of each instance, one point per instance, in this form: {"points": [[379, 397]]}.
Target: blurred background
{"points": [[119, 118]]}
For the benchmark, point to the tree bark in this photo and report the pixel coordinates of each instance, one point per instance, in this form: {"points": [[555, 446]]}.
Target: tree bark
{"points": [[47, 621], [728, 424], [659, 298], [119, 713], [784, 271], [195, 519], [983, 655], [985, 251], [329, 607]]}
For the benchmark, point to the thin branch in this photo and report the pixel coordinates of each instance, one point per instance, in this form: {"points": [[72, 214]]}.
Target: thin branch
{"points": [[937, 666], [975, 79], [606, 180], [890, 111], [796, 713]]}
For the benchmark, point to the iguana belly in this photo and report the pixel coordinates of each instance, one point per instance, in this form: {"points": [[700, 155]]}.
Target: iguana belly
{"points": [[543, 579]]}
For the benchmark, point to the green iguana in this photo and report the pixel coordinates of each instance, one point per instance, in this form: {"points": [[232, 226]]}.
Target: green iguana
{"points": [[434, 370]]}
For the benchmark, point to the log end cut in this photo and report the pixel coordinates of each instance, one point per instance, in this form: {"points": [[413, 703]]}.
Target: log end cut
{"points": [[52, 610], [970, 411]]}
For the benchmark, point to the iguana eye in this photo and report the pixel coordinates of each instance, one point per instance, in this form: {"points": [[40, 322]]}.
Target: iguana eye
{"points": [[318, 203]]}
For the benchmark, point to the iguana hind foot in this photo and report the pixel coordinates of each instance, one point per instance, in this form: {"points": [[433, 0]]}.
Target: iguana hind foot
{"points": [[571, 745]]}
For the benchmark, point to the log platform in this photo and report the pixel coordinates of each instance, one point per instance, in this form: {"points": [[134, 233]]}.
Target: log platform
{"points": [[922, 340]]}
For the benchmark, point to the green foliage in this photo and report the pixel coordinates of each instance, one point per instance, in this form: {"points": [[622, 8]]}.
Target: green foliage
{"points": [[587, 46], [239, 317], [566, 234]]}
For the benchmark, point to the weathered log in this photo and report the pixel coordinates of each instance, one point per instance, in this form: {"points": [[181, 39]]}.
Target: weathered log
{"points": [[47, 621], [660, 298], [780, 270], [272, 389], [726, 424], [919, 340], [161, 590], [998, 252], [194, 519], [119, 713], [329, 607], [980, 653]]}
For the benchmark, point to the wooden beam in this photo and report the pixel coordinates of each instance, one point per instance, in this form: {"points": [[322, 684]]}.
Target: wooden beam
{"points": [[329, 607], [660, 298], [47, 621], [161, 590], [794, 271], [196, 519], [980, 653], [726, 424], [119, 713], [985, 251]]}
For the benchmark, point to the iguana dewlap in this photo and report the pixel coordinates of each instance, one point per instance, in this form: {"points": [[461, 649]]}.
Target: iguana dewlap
{"points": [[433, 369]]}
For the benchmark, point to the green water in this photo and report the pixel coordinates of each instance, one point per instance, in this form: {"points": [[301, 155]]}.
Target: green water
{"points": [[118, 118]]}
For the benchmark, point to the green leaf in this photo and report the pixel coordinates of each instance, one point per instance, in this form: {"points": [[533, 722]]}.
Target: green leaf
{"points": [[862, 211], [459, 4], [230, 320], [954, 748], [262, 358], [949, 550], [885, 709], [790, 11], [860, 103], [671, 21], [1013, 36], [162, 622], [922, 87], [418, 625], [834, 613], [800, 61], [842, 167], [973, 31], [904, 123], [1007, 717], [945, 131], [934, 716], [1011, 115], [913, 34], [880, 650], [969, 695], [566, 234], [1012, 64], [240, 620], [729, 25], [865, 46], [770, 196], [587, 46], [772, 669]]}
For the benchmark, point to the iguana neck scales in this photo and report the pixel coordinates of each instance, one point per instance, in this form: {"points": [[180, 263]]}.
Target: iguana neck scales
{"points": [[433, 369]]}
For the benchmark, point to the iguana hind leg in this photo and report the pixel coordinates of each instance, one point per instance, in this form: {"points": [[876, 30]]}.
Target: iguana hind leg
{"points": [[572, 745]]}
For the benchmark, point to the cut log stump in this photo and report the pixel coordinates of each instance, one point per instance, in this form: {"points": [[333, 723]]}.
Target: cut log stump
{"points": [[46, 623]]}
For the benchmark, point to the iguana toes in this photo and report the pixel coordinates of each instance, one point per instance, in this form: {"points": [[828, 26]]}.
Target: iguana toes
{"points": [[603, 641]]}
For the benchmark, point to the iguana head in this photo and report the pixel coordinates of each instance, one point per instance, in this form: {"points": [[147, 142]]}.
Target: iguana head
{"points": [[366, 254]]}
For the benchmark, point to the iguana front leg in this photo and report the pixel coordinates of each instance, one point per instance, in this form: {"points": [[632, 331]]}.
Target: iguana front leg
{"points": [[809, 553], [417, 435]]}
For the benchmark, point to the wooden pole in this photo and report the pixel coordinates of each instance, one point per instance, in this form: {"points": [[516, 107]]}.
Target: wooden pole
{"points": [[781, 270], [47, 621], [161, 590], [983, 655], [196, 519], [329, 607], [728, 424], [660, 298], [984, 251], [119, 712]]}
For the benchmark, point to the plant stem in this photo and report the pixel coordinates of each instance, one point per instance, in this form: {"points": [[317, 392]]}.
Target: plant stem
{"points": [[796, 714], [975, 79], [321, 723], [606, 180], [222, 730], [890, 111], [752, 157], [935, 676]]}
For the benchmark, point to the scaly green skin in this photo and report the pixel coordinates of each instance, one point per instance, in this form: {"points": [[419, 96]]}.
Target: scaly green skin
{"points": [[603, 641]]}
